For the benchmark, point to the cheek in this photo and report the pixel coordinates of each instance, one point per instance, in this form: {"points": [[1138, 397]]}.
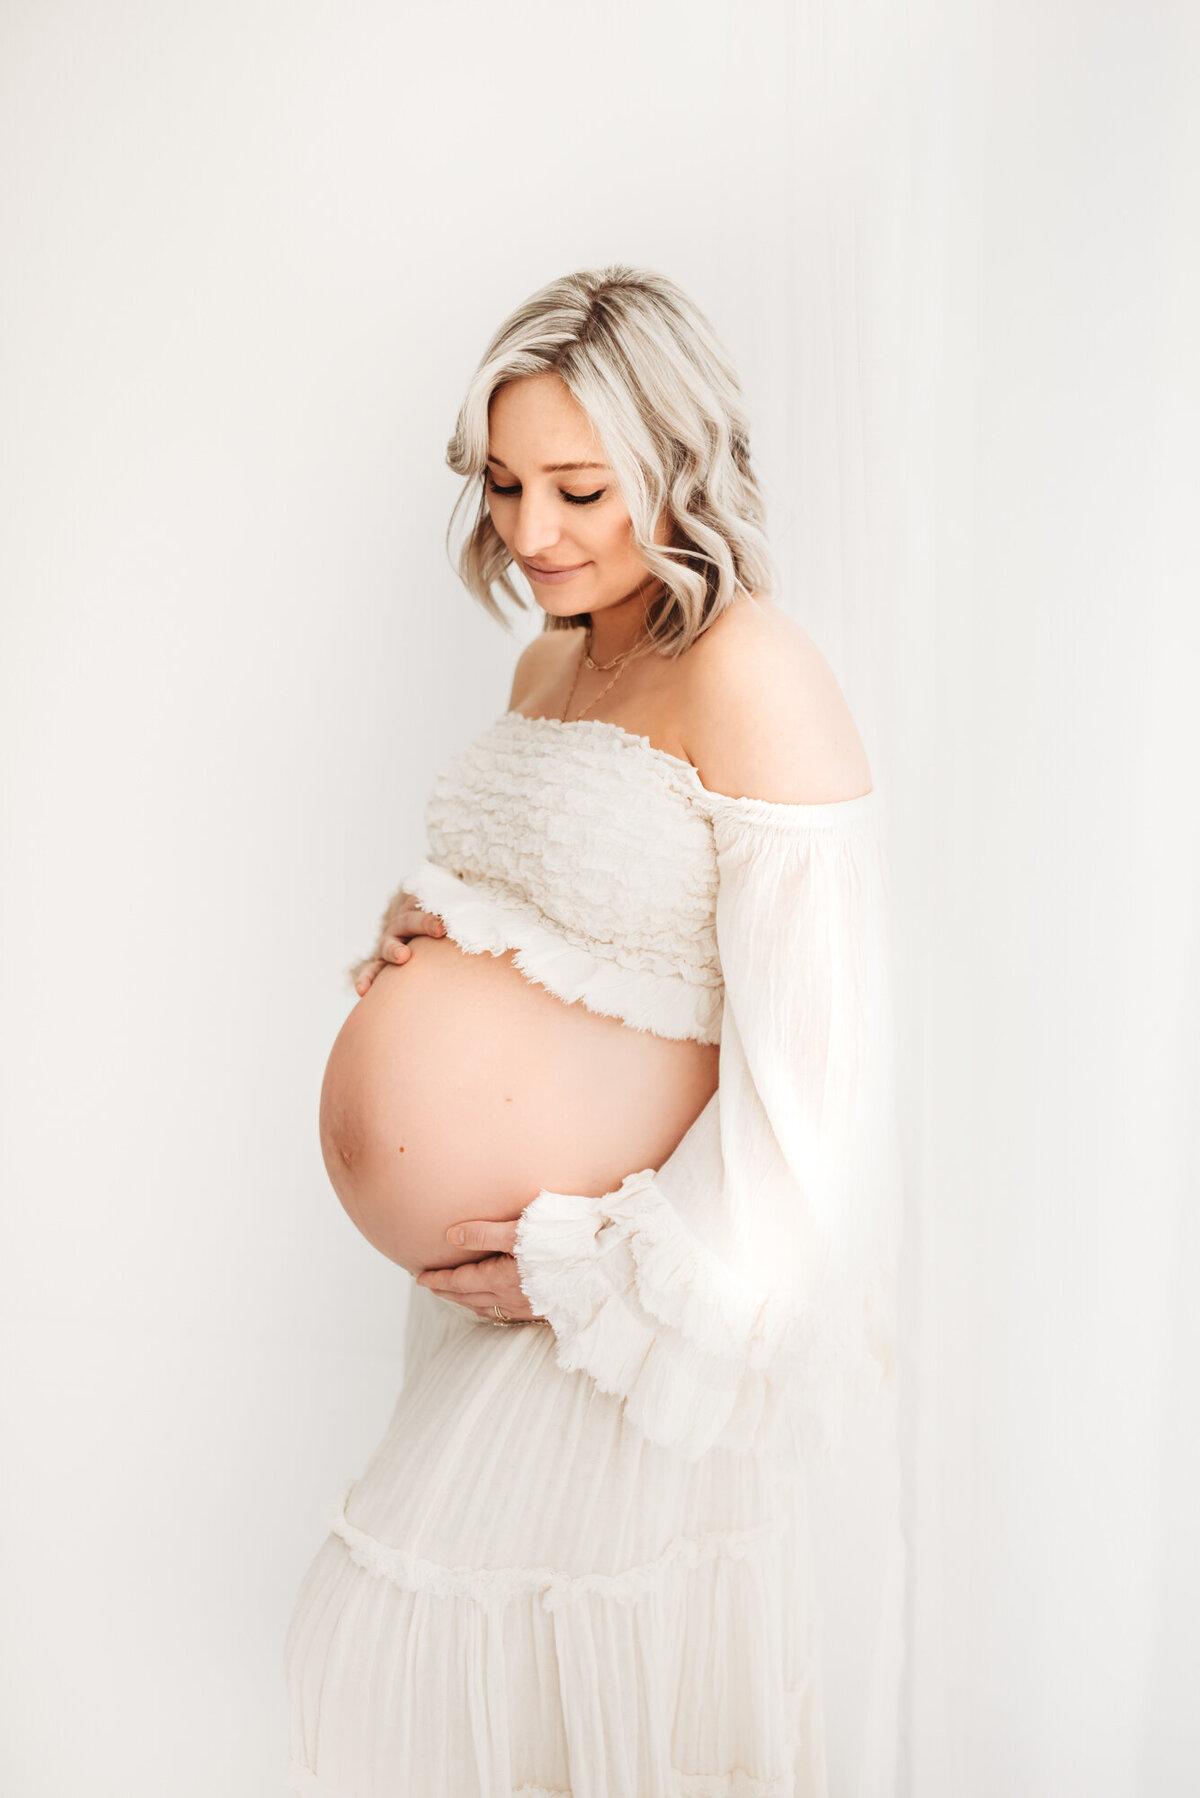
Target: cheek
{"points": [[613, 537]]}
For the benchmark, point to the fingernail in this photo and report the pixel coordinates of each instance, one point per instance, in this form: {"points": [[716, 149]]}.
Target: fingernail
{"points": [[454, 1235]]}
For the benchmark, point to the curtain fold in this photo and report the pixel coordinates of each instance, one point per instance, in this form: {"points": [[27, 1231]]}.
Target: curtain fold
{"points": [[991, 371]]}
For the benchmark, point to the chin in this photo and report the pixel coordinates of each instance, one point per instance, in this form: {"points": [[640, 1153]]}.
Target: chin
{"points": [[557, 605]]}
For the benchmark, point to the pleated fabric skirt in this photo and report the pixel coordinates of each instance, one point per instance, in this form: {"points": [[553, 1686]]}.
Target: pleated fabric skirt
{"points": [[521, 1597]]}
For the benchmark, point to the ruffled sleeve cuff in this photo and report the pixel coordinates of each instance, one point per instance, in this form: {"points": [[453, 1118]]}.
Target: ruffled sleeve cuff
{"points": [[698, 1357]]}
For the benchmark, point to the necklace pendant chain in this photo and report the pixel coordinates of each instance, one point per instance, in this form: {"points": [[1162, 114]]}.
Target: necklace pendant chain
{"points": [[603, 668]]}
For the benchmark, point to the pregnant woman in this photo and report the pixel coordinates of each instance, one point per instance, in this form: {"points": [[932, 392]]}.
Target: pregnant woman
{"points": [[617, 1093]]}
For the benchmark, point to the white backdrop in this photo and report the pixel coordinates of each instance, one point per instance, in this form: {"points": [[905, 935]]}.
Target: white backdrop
{"points": [[252, 252]]}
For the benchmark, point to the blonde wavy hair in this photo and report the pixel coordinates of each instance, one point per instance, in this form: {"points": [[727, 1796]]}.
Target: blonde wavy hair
{"points": [[662, 394]]}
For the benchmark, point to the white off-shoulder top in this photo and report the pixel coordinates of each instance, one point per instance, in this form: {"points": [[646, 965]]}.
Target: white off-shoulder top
{"points": [[741, 1295]]}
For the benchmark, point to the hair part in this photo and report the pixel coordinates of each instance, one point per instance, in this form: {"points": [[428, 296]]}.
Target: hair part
{"points": [[663, 397]]}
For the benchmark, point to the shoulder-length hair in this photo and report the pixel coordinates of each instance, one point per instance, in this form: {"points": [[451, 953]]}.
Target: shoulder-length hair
{"points": [[662, 395]]}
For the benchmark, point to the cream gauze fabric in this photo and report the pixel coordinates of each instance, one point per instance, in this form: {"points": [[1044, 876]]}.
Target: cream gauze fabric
{"points": [[579, 1563]]}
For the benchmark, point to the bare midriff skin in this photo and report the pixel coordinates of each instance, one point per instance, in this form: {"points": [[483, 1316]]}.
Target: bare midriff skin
{"points": [[458, 1088]]}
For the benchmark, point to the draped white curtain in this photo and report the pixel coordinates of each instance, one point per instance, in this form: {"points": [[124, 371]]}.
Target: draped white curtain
{"points": [[1055, 905], [252, 252]]}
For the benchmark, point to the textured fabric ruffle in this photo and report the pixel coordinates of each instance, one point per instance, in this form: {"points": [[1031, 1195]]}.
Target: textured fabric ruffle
{"points": [[521, 1595], [699, 1358], [484, 918], [584, 838], [552, 1587]]}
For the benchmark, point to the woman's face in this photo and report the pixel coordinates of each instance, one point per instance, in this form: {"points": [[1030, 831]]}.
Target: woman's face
{"points": [[554, 517]]}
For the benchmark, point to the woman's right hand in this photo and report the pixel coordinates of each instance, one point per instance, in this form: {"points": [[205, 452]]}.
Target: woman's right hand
{"points": [[402, 919]]}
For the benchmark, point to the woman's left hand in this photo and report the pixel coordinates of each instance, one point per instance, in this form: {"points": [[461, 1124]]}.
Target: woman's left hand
{"points": [[481, 1285]]}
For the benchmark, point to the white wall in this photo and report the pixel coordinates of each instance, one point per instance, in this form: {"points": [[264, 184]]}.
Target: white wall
{"points": [[253, 252]]}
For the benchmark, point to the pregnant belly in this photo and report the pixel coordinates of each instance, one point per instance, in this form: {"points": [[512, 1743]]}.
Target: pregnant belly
{"points": [[458, 1089]]}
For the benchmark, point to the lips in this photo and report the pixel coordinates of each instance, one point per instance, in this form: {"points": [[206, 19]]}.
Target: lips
{"points": [[541, 576], [550, 568]]}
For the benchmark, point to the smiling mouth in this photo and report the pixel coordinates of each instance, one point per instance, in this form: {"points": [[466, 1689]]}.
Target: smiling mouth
{"points": [[545, 568]]}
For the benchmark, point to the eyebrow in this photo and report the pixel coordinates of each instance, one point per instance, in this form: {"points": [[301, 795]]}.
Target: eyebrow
{"points": [[554, 467]]}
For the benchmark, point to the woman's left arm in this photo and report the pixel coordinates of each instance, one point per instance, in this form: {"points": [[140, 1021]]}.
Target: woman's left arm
{"points": [[743, 1293]]}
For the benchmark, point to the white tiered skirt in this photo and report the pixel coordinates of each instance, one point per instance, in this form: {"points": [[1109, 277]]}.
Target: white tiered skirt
{"points": [[521, 1597]]}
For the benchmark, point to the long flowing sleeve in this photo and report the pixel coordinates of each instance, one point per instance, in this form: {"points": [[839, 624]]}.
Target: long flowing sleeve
{"points": [[742, 1295]]}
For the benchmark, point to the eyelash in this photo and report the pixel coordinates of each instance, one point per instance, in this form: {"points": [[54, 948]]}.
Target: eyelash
{"points": [[572, 499]]}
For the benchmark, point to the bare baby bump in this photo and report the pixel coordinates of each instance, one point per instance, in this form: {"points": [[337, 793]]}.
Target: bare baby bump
{"points": [[457, 1088]]}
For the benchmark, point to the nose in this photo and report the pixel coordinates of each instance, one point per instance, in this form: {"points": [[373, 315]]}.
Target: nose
{"points": [[536, 526]]}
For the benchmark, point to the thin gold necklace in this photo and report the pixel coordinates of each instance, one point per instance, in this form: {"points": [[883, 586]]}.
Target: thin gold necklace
{"points": [[619, 664], [602, 667]]}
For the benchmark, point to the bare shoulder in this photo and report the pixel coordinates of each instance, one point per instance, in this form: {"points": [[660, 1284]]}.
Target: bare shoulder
{"points": [[539, 667], [763, 714]]}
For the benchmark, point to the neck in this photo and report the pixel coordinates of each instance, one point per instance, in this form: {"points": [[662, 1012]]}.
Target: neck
{"points": [[618, 627]]}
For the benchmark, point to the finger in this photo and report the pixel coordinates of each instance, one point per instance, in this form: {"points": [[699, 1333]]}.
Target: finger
{"points": [[469, 1276], [485, 1304], [416, 923], [482, 1233], [498, 1273], [365, 976], [395, 951], [464, 1295], [516, 1309], [509, 1292]]}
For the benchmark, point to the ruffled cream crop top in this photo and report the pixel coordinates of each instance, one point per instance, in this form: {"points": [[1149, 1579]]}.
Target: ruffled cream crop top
{"points": [[590, 852]]}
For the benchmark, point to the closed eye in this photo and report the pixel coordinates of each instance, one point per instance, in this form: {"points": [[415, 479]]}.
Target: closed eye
{"points": [[572, 499]]}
